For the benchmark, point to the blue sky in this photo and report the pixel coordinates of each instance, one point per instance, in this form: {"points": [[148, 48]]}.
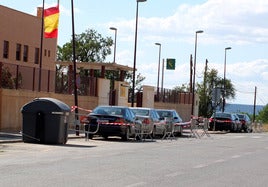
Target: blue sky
{"points": [[240, 24]]}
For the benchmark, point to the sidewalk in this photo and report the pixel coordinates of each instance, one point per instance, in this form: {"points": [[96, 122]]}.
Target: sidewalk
{"points": [[7, 137]]}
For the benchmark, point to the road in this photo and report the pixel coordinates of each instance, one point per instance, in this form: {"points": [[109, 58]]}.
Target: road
{"points": [[236, 159]]}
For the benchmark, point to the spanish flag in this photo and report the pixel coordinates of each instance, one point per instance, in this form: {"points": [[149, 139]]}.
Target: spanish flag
{"points": [[51, 22]]}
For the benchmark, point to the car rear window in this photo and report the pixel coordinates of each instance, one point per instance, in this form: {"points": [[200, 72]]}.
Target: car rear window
{"points": [[164, 113], [223, 115], [141, 112]]}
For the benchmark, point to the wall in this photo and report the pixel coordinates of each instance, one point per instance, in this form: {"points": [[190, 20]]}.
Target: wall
{"points": [[11, 102], [103, 91], [121, 93], [148, 96], [184, 110]]}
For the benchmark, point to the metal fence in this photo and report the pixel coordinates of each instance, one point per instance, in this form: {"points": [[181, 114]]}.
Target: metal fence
{"points": [[173, 96], [14, 76]]}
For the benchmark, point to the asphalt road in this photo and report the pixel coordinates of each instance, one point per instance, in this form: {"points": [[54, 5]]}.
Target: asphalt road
{"points": [[236, 159]]}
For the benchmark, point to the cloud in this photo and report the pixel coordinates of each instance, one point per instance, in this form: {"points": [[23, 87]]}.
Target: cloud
{"points": [[241, 24], [239, 21], [236, 21]]}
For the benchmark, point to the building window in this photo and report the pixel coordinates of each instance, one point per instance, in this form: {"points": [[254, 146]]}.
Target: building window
{"points": [[25, 53], [5, 49], [48, 53], [45, 52], [36, 56], [18, 51]]}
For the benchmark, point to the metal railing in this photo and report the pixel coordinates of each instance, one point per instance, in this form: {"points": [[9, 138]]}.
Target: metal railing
{"points": [[13, 76]]}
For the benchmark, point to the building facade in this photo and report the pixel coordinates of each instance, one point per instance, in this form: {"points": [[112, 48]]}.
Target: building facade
{"points": [[20, 39]]}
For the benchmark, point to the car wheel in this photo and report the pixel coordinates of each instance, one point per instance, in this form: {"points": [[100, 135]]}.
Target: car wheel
{"points": [[125, 137]]}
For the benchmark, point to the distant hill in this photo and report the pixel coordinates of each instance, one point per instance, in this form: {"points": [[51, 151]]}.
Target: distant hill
{"points": [[243, 108]]}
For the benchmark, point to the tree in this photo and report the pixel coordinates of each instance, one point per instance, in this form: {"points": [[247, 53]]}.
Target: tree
{"points": [[138, 83], [182, 88], [263, 115], [205, 88], [90, 47]]}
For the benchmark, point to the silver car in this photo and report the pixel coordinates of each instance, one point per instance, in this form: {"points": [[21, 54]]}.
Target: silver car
{"points": [[150, 118], [171, 116]]}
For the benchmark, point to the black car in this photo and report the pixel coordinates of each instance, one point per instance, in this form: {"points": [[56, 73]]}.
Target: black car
{"points": [[111, 121], [246, 122], [225, 121]]}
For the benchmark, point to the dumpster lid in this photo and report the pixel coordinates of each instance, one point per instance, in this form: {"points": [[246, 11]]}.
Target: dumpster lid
{"points": [[45, 104]]}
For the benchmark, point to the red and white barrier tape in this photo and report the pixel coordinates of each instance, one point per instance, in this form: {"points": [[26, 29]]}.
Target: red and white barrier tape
{"points": [[79, 108], [117, 124]]}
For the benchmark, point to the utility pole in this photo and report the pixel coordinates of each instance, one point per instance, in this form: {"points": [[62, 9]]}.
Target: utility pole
{"points": [[205, 84], [191, 73], [254, 108]]}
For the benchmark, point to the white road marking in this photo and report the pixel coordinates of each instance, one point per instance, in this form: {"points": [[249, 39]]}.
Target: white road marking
{"points": [[137, 184], [174, 174], [219, 161], [200, 166], [236, 156]]}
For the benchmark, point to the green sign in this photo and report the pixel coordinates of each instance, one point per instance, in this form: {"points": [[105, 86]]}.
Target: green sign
{"points": [[171, 63]]}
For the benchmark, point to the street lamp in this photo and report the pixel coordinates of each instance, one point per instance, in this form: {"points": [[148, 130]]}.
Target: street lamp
{"points": [[193, 91], [224, 80], [135, 51], [115, 36], [158, 69]]}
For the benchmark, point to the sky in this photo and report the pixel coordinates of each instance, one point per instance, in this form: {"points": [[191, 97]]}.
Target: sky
{"points": [[240, 24]]}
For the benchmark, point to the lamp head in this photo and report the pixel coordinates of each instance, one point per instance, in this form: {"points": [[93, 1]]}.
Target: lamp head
{"points": [[113, 28], [200, 31]]}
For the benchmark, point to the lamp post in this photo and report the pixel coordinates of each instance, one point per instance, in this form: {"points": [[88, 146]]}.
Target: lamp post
{"points": [[193, 92], [224, 79], [115, 36], [135, 51], [158, 74]]}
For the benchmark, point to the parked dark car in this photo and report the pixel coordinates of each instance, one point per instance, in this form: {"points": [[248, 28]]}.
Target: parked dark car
{"points": [[150, 117], [225, 121], [171, 116], [112, 121], [246, 122]]}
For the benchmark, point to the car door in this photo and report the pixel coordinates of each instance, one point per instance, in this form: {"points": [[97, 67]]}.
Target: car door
{"points": [[157, 122]]}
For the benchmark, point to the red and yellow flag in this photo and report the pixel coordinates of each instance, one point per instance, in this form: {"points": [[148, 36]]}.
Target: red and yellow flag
{"points": [[51, 22]]}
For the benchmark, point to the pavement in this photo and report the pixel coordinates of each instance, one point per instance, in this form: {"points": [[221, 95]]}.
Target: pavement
{"points": [[13, 137]]}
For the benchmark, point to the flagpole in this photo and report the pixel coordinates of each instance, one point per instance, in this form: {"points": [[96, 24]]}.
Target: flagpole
{"points": [[74, 74], [41, 47]]}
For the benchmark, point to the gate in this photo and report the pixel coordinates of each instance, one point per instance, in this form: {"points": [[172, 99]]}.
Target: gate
{"points": [[139, 99], [112, 97]]}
